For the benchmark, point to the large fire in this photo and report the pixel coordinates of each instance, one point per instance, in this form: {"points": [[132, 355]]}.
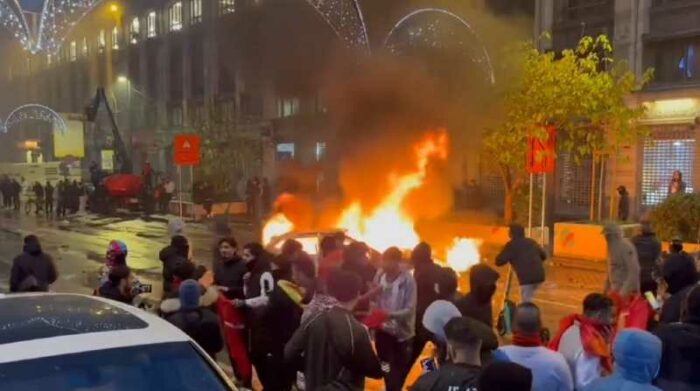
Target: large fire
{"points": [[389, 224]]}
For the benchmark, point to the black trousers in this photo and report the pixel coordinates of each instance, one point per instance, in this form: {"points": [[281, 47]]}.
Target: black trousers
{"points": [[272, 372], [398, 355]]}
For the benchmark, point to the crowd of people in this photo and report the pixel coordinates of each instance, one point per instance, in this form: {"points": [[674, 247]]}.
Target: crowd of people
{"points": [[330, 323], [61, 199]]}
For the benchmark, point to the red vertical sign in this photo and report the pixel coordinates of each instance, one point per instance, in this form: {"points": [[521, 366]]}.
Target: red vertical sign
{"points": [[541, 153]]}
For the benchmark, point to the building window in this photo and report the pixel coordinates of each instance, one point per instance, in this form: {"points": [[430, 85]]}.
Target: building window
{"points": [[227, 6], [195, 11], [288, 107], [73, 51], [320, 150], [85, 49], [668, 149], [101, 41], [175, 15], [115, 38], [134, 30], [285, 151], [151, 24], [49, 61]]}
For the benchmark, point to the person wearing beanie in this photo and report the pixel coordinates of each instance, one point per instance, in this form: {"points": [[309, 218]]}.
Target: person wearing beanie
{"points": [[427, 275], [680, 275], [199, 322], [680, 358], [336, 348], [637, 358], [550, 372], [505, 376], [207, 296], [33, 270]]}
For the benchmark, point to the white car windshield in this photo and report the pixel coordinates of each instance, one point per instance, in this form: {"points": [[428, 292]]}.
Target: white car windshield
{"points": [[159, 367]]}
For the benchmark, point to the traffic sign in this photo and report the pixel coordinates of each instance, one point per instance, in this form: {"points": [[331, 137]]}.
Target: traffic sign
{"points": [[186, 150]]}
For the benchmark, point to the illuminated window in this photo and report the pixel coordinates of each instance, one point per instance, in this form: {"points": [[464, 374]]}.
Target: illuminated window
{"points": [[84, 50], [151, 24], [285, 151], [175, 14], [227, 6], [49, 59], [134, 30], [115, 38], [101, 40], [288, 107], [73, 51], [320, 150], [195, 11], [669, 148]]}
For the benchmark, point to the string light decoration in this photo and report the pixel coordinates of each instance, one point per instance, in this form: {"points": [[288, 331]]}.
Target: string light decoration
{"points": [[346, 20], [12, 19], [58, 17], [439, 29], [33, 112]]}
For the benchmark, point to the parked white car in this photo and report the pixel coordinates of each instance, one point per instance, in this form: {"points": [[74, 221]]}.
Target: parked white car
{"points": [[70, 342]]}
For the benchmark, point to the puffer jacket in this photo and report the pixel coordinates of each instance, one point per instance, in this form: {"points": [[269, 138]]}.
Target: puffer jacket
{"points": [[623, 265], [33, 270], [525, 255], [637, 359]]}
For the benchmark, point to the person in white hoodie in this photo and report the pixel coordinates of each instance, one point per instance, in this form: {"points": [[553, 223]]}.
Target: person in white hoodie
{"points": [[585, 340]]}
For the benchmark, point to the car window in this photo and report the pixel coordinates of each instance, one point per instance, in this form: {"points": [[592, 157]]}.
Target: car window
{"points": [[159, 367]]}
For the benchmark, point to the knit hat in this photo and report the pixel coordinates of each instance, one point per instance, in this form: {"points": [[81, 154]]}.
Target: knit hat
{"points": [[189, 294], [437, 315], [505, 376], [117, 247]]}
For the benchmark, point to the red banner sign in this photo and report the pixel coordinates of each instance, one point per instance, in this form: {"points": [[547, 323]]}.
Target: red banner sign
{"points": [[541, 153], [186, 150]]}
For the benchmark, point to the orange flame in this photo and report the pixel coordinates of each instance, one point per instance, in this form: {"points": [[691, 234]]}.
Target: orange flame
{"points": [[277, 225], [388, 224], [463, 254]]}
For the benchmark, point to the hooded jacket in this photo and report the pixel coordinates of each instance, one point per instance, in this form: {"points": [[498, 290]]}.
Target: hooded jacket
{"points": [[477, 303], [337, 350], [623, 265], [649, 252], [170, 256], [33, 270], [525, 255], [637, 358], [427, 276], [680, 360], [680, 275]]}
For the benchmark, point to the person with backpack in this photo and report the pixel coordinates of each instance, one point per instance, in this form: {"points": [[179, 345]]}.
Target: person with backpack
{"points": [[196, 320], [33, 270]]}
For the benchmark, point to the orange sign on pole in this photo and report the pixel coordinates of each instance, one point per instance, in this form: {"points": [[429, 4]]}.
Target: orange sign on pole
{"points": [[186, 150]]}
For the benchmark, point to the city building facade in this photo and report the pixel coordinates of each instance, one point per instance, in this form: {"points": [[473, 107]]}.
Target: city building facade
{"points": [[658, 34]]}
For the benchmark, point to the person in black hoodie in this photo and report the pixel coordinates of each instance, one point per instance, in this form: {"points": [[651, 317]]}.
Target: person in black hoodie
{"points": [[197, 321], [280, 319], [680, 357], [477, 303], [680, 275], [257, 286], [178, 249], [33, 270], [336, 348], [427, 275], [229, 269], [526, 257], [649, 253]]}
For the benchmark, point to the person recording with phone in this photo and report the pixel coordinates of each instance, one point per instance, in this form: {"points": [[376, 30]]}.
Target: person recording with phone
{"points": [[118, 285]]}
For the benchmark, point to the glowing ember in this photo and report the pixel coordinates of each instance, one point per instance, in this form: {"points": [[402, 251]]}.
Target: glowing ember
{"points": [[388, 224], [277, 225], [463, 254]]}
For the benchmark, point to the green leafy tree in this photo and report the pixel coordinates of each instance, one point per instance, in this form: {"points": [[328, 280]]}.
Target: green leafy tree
{"points": [[581, 92]]}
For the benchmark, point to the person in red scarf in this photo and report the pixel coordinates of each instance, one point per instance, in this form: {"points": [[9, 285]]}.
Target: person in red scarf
{"points": [[549, 369], [585, 340]]}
